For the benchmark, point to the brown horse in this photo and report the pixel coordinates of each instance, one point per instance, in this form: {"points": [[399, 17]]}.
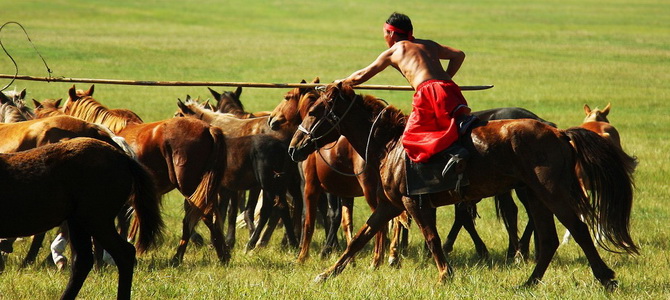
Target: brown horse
{"points": [[234, 127], [504, 154], [229, 102], [182, 153], [30, 134], [329, 170], [84, 182]]}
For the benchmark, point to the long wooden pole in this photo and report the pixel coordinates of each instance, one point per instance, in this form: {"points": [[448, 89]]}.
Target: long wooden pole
{"points": [[218, 83]]}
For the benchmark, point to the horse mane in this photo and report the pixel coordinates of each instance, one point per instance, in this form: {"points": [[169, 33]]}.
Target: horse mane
{"points": [[198, 110], [89, 109]]}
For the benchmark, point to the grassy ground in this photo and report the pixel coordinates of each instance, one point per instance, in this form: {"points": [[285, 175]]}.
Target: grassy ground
{"points": [[548, 56]]}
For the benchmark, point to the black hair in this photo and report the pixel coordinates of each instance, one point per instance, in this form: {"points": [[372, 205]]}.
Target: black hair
{"points": [[400, 21]]}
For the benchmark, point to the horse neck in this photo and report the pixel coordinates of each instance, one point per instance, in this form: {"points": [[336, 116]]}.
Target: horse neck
{"points": [[357, 130], [91, 111], [10, 114]]}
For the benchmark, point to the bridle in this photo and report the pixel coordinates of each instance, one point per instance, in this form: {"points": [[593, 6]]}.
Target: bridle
{"points": [[333, 119]]}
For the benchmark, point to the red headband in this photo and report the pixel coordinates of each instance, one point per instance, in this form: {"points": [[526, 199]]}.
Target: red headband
{"points": [[390, 27]]}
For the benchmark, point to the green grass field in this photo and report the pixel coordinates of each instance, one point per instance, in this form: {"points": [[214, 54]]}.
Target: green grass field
{"points": [[548, 56]]}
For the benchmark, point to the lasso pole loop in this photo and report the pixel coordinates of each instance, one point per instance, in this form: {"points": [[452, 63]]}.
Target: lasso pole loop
{"points": [[16, 67]]}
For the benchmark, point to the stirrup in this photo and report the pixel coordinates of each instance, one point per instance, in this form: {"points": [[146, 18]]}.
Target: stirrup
{"points": [[454, 161]]}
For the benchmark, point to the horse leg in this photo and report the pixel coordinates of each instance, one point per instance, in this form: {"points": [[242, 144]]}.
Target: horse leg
{"points": [[229, 206], [121, 251], [469, 213], [424, 215], [186, 232], [334, 217], [348, 221], [509, 212], [82, 259], [34, 249], [381, 241], [581, 235], [312, 196], [394, 252], [215, 226], [294, 189], [266, 211], [382, 215], [250, 210], [545, 231], [285, 214], [448, 245], [269, 229], [524, 241]]}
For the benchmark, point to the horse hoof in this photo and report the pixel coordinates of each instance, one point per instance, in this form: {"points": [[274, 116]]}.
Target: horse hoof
{"points": [[394, 262], [175, 262], [321, 278], [611, 285]]}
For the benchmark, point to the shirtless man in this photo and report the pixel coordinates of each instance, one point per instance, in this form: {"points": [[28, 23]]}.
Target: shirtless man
{"points": [[437, 103]]}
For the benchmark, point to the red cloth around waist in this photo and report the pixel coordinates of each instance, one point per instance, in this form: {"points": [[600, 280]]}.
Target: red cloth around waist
{"points": [[431, 127]]}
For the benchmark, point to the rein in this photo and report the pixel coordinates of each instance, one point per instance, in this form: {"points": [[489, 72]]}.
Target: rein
{"points": [[367, 144]]}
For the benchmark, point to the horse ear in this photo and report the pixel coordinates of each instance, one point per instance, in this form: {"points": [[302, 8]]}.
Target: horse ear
{"points": [[316, 80], [216, 95], [57, 103], [587, 109], [73, 93], [37, 104], [606, 110], [90, 90], [4, 99], [238, 92], [303, 81], [23, 94]]}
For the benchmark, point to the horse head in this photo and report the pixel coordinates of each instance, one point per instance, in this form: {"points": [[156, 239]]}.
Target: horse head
{"points": [[47, 108], [320, 125], [596, 114], [294, 107]]}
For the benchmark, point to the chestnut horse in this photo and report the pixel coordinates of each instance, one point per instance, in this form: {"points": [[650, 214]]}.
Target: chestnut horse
{"points": [[182, 153], [84, 182], [504, 154]]}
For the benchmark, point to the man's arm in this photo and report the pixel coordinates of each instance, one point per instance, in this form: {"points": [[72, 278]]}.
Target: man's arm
{"points": [[455, 57], [362, 75]]}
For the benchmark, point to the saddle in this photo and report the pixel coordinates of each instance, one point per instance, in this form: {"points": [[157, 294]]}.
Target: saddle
{"points": [[445, 170]]}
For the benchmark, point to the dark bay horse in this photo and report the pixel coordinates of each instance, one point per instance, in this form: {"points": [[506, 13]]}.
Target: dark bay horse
{"points": [[504, 154], [229, 102], [181, 153], [84, 182], [320, 173], [25, 135]]}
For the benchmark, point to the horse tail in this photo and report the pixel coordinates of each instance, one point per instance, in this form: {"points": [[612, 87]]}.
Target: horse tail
{"points": [[116, 141], [147, 206], [204, 199], [608, 170]]}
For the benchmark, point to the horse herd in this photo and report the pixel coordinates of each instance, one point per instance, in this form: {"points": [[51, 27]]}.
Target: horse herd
{"points": [[99, 168]]}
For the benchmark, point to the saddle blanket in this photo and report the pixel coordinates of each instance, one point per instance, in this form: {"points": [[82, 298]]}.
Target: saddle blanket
{"points": [[426, 178]]}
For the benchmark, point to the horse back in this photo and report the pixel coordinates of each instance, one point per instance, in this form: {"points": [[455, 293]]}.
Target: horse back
{"points": [[604, 129], [44, 186]]}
